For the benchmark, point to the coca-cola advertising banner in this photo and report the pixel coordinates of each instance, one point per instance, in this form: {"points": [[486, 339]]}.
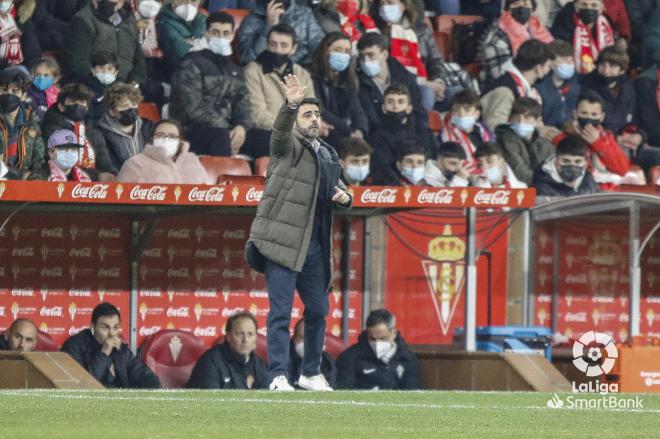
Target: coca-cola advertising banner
{"points": [[594, 279], [246, 194], [426, 272], [192, 274]]}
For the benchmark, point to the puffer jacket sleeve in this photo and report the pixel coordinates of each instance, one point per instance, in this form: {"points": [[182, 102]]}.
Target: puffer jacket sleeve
{"points": [[253, 37], [240, 106], [281, 140], [187, 92]]}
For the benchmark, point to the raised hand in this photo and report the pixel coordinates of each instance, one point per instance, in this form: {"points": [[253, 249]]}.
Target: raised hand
{"points": [[293, 91]]}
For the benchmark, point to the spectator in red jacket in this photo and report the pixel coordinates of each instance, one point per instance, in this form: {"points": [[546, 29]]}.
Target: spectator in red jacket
{"points": [[607, 161]]}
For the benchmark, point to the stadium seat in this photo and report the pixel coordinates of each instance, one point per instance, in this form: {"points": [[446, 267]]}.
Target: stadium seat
{"points": [[216, 167], [654, 175], [333, 345], [261, 348], [171, 355], [149, 111], [261, 166], [445, 24], [45, 343], [442, 41], [435, 121]]}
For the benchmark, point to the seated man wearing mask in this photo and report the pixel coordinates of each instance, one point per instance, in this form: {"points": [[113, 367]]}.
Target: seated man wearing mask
{"points": [[232, 364], [21, 336], [494, 172], [449, 167], [297, 352], [380, 360], [355, 160], [64, 153]]}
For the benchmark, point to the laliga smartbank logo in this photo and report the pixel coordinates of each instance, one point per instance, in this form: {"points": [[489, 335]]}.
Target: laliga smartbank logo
{"points": [[595, 355]]}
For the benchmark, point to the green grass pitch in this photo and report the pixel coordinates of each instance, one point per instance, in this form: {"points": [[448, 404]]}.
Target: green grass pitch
{"points": [[119, 414]]}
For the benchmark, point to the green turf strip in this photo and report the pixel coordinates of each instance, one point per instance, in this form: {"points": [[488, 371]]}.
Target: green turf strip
{"points": [[122, 414]]}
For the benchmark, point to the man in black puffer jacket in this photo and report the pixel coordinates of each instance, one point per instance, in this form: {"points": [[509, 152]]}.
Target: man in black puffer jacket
{"points": [[381, 359], [100, 351]]}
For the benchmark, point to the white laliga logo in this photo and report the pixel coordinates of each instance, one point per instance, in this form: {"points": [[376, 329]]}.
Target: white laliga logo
{"points": [[593, 341]]}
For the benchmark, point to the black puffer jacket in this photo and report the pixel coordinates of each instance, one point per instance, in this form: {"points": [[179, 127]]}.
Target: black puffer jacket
{"points": [[129, 371], [620, 107], [358, 368], [122, 146], [222, 368]]}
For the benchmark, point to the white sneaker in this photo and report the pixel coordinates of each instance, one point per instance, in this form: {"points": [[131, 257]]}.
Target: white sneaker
{"points": [[281, 384], [316, 383]]}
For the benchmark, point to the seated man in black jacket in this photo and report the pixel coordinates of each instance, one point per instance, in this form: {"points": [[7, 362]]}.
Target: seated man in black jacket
{"points": [[297, 352], [101, 352], [565, 173], [232, 364], [380, 359]]}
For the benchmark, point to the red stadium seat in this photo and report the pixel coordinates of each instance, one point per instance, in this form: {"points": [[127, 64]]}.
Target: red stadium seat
{"points": [[149, 111], [261, 166], [333, 345], [654, 175], [445, 24], [435, 122], [442, 41], [45, 343], [171, 354], [261, 349], [217, 167]]}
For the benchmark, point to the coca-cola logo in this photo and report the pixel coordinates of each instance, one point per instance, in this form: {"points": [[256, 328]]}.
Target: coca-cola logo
{"points": [[443, 196], [73, 330], [209, 331], [83, 252], [57, 232], [25, 252], [152, 253], [55, 311], [151, 293], [180, 273], [212, 194], [22, 292], [238, 273], [254, 195], [182, 311], [113, 233], [178, 233], [109, 272], [576, 317], [210, 253], [153, 193], [206, 293], [383, 196], [80, 293], [234, 234], [498, 198], [255, 293], [94, 192], [149, 330], [52, 272], [576, 279], [228, 312]]}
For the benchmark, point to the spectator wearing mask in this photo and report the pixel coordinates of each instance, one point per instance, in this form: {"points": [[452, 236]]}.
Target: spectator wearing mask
{"points": [[232, 364], [636, 147], [145, 13], [605, 160], [180, 27], [297, 353], [396, 129], [71, 113], [378, 70], [560, 89], [583, 24], [462, 124], [647, 91], [166, 159], [449, 167], [336, 87], [355, 160], [380, 360], [124, 130], [530, 65], [564, 174], [63, 165], [253, 34], [21, 336], [105, 67], [21, 147], [347, 16], [19, 40], [45, 85], [262, 79], [494, 172], [610, 82], [209, 95], [524, 149], [104, 25], [101, 352], [407, 169], [502, 41]]}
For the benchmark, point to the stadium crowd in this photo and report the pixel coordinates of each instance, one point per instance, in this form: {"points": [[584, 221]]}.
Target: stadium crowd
{"points": [[562, 96]]}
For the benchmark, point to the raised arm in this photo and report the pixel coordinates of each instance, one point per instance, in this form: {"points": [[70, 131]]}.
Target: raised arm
{"points": [[281, 139]]}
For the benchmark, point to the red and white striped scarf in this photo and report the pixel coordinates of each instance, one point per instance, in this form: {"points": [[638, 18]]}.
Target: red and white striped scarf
{"points": [[10, 39], [522, 86], [56, 173], [451, 133], [88, 159], [404, 47], [585, 47]]}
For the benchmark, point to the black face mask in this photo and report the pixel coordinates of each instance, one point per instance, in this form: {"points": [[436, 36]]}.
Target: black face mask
{"points": [[584, 121], [588, 16], [270, 61], [608, 81], [106, 8], [75, 112], [570, 173], [9, 103], [521, 14], [128, 117], [395, 118]]}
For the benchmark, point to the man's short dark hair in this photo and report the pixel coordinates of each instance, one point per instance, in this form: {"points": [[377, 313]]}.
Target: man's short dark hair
{"points": [[378, 316], [104, 309], [75, 91], [103, 57], [488, 149], [507, 4], [614, 55], [450, 150], [532, 53], [356, 147], [590, 96], [526, 107], [466, 98], [219, 17], [410, 147], [15, 76], [310, 101], [239, 315], [370, 39], [398, 89], [561, 48], [282, 29], [572, 145]]}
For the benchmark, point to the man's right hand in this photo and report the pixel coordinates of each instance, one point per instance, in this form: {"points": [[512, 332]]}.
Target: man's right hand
{"points": [[466, 169], [110, 344], [274, 11], [293, 91]]}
